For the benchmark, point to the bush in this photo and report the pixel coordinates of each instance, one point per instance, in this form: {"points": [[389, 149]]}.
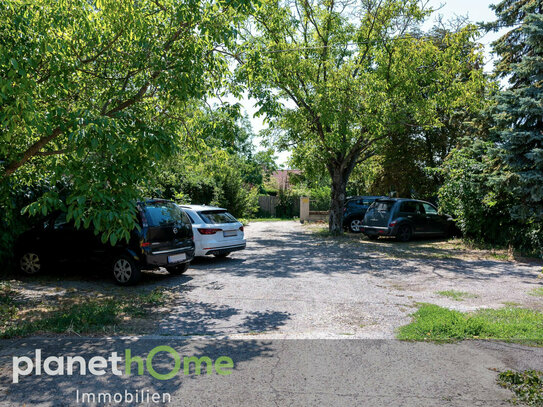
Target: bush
{"points": [[218, 182], [477, 192]]}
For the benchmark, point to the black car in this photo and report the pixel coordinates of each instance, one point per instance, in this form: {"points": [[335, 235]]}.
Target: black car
{"points": [[164, 238], [405, 218], [354, 210]]}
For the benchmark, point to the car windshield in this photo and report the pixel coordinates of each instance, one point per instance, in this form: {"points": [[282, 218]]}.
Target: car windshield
{"points": [[429, 209], [213, 217], [164, 213]]}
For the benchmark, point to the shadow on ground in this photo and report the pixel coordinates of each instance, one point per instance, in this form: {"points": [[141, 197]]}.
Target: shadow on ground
{"points": [[302, 252], [62, 390]]}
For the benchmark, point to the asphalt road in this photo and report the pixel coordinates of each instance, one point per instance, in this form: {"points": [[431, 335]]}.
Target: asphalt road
{"points": [[307, 322], [279, 373]]}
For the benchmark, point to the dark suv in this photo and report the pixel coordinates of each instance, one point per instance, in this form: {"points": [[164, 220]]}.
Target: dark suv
{"points": [[354, 211], [405, 218], [164, 239]]}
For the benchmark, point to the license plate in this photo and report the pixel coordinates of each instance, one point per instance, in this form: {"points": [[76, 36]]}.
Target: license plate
{"points": [[230, 233], [177, 258]]}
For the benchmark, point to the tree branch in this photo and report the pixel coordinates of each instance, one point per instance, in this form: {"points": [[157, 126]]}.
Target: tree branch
{"points": [[35, 148], [50, 153], [31, 152]]}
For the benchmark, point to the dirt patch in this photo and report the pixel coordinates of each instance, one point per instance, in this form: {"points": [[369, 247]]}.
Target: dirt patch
{"points": [[78, 306], [438, 248]]}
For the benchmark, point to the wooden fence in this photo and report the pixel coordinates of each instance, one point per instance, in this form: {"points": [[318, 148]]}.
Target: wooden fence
{"points": [[270, 206]]}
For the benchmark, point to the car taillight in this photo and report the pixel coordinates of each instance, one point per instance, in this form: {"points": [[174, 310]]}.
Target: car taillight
{"points": [[205, 231], [241, 228], [145, 244], [392, 224]]}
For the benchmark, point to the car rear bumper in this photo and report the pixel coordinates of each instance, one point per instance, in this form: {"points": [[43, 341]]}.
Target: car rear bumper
{"points": [[165, 258], [377, 231], [224, 249]]}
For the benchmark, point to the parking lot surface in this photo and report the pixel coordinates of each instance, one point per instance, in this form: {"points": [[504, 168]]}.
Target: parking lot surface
{"points": [[293, 283], [308, 320]]}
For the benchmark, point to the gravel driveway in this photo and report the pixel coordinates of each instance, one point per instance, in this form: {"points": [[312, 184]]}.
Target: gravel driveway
{"points": [[293, 283]]}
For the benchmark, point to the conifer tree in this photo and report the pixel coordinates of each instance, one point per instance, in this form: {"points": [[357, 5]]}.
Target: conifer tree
{"points": [[519, 110]]}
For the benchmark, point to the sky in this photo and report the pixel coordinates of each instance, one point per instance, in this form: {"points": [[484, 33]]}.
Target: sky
{"points": [[475, 10]]}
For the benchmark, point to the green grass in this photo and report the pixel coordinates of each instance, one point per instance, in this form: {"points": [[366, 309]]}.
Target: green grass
{"points": [[8, 308], [97, 315], [434, 323], [80, 318], [537, 292], [134, 308], [456, 295], [527, 386]]}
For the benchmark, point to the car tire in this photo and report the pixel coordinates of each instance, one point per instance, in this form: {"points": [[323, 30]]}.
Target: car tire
{"points": [[125, 270], [452, 231], [405, 233], [355, 225], [30, 262], [222, 255], [178, 270]]}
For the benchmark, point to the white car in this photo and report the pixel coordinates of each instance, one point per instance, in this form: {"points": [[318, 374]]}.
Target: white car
{"points": [[216, 232]]}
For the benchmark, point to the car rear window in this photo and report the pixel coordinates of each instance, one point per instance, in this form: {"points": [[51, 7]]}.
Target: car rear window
{"points": [[213, 217], [164, 213], [363, 202], [382, 206]]}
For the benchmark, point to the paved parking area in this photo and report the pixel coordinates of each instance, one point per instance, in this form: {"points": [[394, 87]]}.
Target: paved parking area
{"points": [[292, 283], [289, 284]]}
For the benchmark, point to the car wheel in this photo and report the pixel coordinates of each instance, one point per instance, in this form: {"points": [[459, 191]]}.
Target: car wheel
{"points": [[355, 225], [452, 231], [178, 270], [221, 255], [30, 263], [404, 233], [125, 270]]}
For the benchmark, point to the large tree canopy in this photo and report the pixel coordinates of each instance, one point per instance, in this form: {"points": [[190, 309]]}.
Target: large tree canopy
{"points": [[354, 73], [92, 94]]}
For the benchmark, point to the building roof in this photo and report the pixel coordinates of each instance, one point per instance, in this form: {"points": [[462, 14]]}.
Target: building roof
{"points": [[283, 177]]}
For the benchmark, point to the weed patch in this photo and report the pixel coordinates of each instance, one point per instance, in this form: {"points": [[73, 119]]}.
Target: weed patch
{"points": [[80, 317], [456, 295], [527, 386], [434, 323]]}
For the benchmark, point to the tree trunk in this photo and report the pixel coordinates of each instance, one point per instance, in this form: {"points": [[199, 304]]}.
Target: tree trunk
{"points": [[339, 187]]}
